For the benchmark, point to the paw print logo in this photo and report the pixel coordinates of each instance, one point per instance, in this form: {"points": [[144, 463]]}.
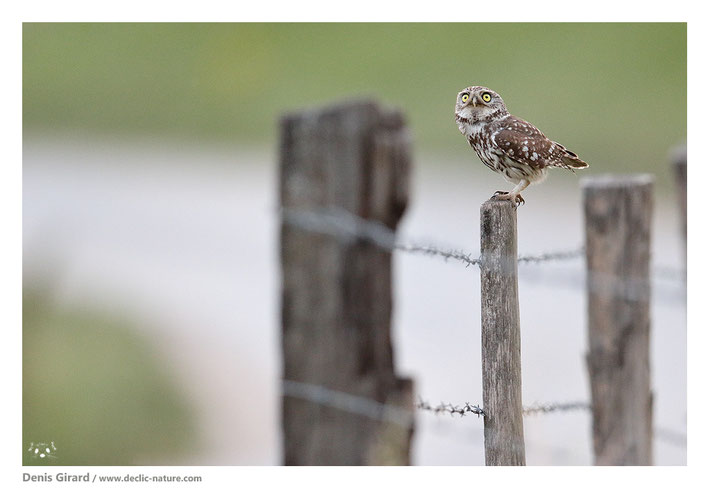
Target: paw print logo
{"points": [[42, 450]]}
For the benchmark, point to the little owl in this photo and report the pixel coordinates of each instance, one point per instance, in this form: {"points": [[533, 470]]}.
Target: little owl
{"points": [[507, 144]]}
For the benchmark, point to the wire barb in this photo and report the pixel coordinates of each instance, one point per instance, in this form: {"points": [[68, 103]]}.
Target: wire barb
{"points": [[434, 251], [450, 408]]}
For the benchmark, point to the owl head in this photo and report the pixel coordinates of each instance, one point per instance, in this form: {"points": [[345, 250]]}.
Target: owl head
{"points": [[480, 104]]}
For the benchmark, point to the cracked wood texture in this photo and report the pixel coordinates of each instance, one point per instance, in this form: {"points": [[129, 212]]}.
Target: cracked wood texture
{"points": [[500, 335], [618, 211], [337, 291]]}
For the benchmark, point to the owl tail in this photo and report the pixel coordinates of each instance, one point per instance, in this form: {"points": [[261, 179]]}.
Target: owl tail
{"points": [[570, 160], [574, 163]]}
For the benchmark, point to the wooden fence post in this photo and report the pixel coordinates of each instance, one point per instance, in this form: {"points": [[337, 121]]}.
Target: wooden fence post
{"points": [[500, 335], [679, 167], [336, 291], [618, 212]]}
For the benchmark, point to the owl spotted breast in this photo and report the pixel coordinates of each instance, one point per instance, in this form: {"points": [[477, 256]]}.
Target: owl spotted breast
{"points": [[507, 144]]}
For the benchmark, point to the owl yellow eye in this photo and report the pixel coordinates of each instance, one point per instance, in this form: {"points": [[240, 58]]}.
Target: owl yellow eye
{"points": [[486, 97], [464, 98]]}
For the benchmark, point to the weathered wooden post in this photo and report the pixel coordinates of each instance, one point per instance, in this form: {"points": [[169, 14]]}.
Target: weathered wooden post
{"points": [[500, 335], [618, 212], [679, 167], [337, 290]]}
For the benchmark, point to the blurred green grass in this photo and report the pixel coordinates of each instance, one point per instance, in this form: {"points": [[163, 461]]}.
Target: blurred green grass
{"points": [[94, 387], [614, 93]]}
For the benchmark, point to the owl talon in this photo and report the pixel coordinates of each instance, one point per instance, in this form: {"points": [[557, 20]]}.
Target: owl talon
{"points": [[515, 199]]}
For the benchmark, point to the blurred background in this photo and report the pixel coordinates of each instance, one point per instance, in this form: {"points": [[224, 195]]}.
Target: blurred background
{"points": [[151, 275]]}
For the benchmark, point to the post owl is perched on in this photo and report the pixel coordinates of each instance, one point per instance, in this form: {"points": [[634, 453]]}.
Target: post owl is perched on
{"points": [[507, 144]]}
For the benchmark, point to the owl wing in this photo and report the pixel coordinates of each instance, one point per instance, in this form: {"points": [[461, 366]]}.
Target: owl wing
{"points": [[526, 144]]}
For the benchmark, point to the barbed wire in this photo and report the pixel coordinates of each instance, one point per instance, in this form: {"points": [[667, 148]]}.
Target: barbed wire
{"points": [[550, 407], [461, 256], [662, 434], [348, 227], [553, 256], [342, 225], [662, 292], [344, 401], [369, 408], [376, 410], [450, 408], [468, 408]]}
